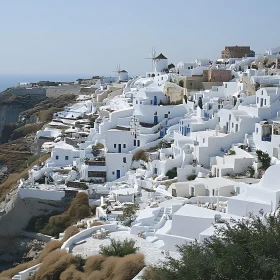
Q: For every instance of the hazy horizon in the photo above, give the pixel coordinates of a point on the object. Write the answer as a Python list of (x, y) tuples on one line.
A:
[(84, 38)]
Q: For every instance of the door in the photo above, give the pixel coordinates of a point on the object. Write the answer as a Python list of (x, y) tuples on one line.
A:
[(120, 148), (155, 170), (155, 100), (261, 102), (155, 119), (118, 174), (227, 127)]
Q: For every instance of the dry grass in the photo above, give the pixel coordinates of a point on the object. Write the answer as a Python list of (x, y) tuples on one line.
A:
[(141, 155), (78, 209), (94, 263), (129, 266), (70, 231), (96, 223), (54, 265), (11, 182), (26, 130)]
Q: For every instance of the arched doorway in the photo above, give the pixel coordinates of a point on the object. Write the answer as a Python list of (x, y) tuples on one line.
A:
[(181, 83)]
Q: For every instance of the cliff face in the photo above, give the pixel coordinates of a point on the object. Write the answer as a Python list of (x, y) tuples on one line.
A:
[(8, 115), (16, 213), (11, 106)]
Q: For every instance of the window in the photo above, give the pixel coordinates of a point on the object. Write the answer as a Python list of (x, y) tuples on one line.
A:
[(225, 85), (265, 102), (56, 157), (203, 140), (151, 101), (136, 101), (138, 143), (124, 160), (66, 157), (232, 124), (115, 145), (257, 130), (124, 146), (134, 142), (257, 100), (213, 192), (229, 117), (189, 68), (113, 172), (262, 92), (165, 115)]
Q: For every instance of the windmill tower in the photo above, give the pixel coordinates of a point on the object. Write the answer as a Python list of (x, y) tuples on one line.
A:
[(122, 74), (153, 58), (118, 70)]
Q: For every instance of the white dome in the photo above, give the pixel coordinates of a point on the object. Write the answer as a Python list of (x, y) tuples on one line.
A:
[(270, 180)]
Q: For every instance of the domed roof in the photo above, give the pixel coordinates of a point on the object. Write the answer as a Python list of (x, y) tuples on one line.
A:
[(269, 180)]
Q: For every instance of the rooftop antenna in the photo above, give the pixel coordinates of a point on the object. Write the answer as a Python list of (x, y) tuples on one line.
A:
[(152, 57)]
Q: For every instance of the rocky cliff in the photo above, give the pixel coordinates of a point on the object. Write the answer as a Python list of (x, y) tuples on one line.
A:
[(11, 106), (16, 212)]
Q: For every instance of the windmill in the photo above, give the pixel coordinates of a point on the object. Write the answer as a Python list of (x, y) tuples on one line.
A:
[(118, 70), (153, 58)]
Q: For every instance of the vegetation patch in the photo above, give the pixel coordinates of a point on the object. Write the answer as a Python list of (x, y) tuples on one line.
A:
[(172, 173), (78, 209), (242, 250), (141, 155), (119, 248)]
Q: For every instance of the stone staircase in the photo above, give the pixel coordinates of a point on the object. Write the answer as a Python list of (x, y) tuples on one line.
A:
[(252, 144)]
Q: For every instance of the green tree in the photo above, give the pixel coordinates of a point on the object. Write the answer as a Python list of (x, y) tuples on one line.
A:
[(129, 214), (119, 248), (264, 158), (244, 249)]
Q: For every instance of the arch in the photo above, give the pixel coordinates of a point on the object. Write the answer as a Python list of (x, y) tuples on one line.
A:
[(181, 83)]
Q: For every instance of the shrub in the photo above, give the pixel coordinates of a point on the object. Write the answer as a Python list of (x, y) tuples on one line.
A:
[(247, 250), (54, 265), (231, 152), (264, 158), (129, 214), (94, 263), (78, 209), (119, 248), (140, 155), (129, 266), (172, 173), (70, 231), (191, 177), (251, 171), (96, 223)]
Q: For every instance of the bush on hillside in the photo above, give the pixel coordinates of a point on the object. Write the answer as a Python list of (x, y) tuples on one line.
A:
[(140, 155), (62, 266), (26, 130), (242, 250), (78, 209), (264, 158), (119, 248), (172, 173), (191, 177)]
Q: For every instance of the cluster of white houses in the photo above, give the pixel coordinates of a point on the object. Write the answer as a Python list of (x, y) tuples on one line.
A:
[(185, 153)]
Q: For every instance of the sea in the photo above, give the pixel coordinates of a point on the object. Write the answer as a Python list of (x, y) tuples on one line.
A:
[(10, 80)]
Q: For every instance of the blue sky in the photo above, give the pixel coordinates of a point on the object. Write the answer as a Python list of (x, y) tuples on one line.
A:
[(92, 36)]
